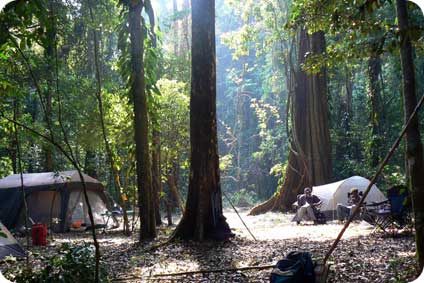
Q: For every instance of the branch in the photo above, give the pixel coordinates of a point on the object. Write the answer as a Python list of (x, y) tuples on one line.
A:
[(219, 270), (53, 142)]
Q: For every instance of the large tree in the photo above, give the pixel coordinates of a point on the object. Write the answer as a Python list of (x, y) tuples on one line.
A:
[(414, 148), (203, 217), (141, 123), (309, 161)]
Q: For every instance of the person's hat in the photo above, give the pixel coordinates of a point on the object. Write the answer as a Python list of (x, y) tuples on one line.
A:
[(353, 190), (307, 189)]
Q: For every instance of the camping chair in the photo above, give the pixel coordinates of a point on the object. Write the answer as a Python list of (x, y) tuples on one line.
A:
[(392, 213), (360, 215)]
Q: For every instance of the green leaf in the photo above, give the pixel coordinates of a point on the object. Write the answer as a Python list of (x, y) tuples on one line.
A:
[(3, 56)]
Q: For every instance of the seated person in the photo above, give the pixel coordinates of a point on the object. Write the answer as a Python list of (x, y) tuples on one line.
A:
[(344, 211), (307, 203)]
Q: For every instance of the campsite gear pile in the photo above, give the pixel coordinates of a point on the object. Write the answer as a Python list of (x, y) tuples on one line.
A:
[(297, 267), (8, 245), (393, 213), (51, 195), (39, 234)]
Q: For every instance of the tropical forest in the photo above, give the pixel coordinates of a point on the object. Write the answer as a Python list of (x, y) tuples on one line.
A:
[(211, 141)]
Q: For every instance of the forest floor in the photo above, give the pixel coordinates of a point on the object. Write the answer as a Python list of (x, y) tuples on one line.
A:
[(360, 256)]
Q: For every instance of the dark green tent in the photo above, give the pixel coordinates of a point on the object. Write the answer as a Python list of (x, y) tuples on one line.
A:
[(53, 198)]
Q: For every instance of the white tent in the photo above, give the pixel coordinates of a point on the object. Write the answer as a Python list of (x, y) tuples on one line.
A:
[(334, 193), (8, 245)]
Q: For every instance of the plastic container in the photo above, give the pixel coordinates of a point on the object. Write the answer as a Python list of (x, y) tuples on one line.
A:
[(39, 234)]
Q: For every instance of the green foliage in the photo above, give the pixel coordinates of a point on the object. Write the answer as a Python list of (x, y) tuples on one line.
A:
[(173, 118), (225, 162), (71, 264), (401, 275), (244, 197)]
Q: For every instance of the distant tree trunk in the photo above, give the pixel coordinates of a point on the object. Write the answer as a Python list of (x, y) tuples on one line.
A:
[(309, 161), (90, 163), (343, 149), (109, 152), (168, 211), (156, 175), (348, 99), (414, 148), (141, 124), (185, 42), (203, 217), (175, 27), (243, 129), (374, 70), (13, 151), (173, 190), (48, 156), (49, 53)]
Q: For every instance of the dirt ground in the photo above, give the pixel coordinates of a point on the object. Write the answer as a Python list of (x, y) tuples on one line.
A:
[(360, 256)]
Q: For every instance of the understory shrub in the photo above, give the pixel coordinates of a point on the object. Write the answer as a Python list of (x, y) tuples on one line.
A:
[(70, 264)]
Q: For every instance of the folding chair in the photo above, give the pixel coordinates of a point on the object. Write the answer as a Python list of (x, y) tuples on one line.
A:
[(393, 213)]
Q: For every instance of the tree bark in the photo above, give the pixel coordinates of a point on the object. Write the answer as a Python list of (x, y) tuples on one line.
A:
[(156, 174), (49, 53), (90, 163), (414, 148), (173, 190), (141, 123), (175, 27), (203, 217), (156, 170), (309, 161)]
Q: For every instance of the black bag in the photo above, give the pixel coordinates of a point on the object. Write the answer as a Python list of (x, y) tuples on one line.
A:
[(297, 267)]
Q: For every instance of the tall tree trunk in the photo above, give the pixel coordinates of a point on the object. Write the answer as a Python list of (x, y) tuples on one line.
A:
[(374, 70), (203, 217), (109, 152), (156, 172), (51, 36), (414, 148), (141, 123), (309, 161)]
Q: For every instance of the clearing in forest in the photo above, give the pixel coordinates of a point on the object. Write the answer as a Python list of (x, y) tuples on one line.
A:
[(360, 256)]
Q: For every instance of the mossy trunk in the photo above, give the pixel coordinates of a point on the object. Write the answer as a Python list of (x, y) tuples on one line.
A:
[(309, 161), (141, 124)]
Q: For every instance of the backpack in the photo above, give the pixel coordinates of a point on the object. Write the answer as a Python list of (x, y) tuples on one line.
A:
[(296, 267)]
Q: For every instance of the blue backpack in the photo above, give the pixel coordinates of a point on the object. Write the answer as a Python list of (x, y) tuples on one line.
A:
[(297, 267)]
